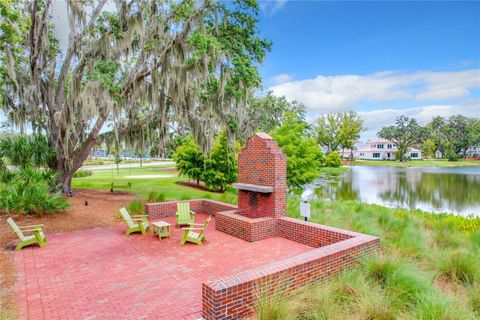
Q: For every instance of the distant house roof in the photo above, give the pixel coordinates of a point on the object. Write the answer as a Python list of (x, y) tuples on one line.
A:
[(379, 140)]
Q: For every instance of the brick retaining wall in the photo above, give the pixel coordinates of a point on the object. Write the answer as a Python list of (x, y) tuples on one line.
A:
[(236, 296), (169, 208)]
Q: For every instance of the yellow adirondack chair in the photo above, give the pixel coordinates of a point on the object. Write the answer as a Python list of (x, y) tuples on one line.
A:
[(184, 215), (189, 234), (135, 223), (37, 234)]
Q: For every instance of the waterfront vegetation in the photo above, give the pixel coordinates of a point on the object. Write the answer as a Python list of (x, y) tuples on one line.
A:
[(429, 268)]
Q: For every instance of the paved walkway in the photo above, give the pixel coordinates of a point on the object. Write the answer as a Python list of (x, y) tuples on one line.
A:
[(127, 165), (102, 274)]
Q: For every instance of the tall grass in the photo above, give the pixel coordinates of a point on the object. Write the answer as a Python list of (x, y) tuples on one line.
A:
[(428, 268)]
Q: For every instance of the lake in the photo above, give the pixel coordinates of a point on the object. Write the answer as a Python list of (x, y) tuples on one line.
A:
[(453, 190)]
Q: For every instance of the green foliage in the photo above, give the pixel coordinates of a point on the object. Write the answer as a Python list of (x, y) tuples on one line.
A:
[(220, 165), (22, 151), (28, 192), (404, 134), (82, 173), (460, 266), (333, 160), (160, 197), (136, 207), (454, 134), (266, 113), (428, 148), (189, 160), (338, 129), (304, 157)]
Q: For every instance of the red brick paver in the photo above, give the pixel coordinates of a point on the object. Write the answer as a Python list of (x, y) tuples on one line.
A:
[(102, 274)]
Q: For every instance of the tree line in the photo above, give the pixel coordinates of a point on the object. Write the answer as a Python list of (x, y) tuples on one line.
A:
[(450, 137)]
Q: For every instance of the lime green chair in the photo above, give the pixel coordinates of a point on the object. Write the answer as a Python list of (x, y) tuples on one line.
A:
[(184, 215), (37, 236), (190, 234), (135, 223)]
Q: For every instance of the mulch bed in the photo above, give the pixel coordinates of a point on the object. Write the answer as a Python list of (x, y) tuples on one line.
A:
[(193, 185), (102, 210)]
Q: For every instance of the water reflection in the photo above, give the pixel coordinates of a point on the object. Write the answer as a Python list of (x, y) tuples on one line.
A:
[(455, 190)]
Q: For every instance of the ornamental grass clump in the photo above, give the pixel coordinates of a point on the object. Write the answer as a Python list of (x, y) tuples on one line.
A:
[(460, 266)]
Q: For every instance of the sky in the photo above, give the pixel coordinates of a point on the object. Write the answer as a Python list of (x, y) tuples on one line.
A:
[(381, 59)]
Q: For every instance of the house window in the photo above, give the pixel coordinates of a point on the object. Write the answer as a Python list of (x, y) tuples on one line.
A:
[(98, 153), (380, 146), (376, 155), (389, 146), (414, 155)]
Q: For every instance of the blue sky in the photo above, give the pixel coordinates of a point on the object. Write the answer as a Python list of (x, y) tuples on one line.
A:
[(378, 58)]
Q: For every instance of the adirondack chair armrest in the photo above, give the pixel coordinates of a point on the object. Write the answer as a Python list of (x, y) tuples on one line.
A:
[(192, 212), (137, 219), (32, 226), (31, 230), (196, 224), (192, 229)]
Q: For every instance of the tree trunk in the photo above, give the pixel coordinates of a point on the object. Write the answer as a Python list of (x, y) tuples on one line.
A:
[(198, 182)]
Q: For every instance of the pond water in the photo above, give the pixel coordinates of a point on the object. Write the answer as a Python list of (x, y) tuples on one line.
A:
[(452, 190)]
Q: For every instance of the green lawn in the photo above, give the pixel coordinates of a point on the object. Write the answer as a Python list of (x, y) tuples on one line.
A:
[(164, 183), (417, 163)]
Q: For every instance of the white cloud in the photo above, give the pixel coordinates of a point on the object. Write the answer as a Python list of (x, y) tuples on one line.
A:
[(281, 78), (338, 93), (279, 4), (272, 7)]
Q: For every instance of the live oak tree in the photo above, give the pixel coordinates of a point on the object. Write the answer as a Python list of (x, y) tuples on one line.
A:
[(455, 134), (141, 64), (405, 133)]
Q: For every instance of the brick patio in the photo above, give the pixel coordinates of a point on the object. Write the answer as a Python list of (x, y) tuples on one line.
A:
[(102, 274)]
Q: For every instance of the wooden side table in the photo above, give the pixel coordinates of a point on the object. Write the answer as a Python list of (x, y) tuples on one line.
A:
[(162, 228)]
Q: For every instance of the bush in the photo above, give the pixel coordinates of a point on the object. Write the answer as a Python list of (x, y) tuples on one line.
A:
[(136, 207), (152, 197), (160, 197), (333, 160), (82, 173), (28, 192)]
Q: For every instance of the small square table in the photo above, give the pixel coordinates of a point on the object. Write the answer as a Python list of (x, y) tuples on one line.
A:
[(162, 228)]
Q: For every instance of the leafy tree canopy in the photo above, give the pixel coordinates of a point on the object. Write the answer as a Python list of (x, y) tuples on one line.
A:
[(142, 64), (338, 129), (405, 133), (304, 157)]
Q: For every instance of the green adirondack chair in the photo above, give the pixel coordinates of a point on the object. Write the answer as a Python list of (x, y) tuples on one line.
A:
[(184, 215), (37, 236), (190, 234), (135, 223)]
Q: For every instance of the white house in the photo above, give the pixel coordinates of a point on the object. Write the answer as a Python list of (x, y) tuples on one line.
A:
[(382, 149)]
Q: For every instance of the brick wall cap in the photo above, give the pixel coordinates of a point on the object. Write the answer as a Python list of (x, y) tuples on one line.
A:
[(263, 135)]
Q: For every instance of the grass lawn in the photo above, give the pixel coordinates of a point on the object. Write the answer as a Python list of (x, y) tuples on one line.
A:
[(417, 163), (161, 179)]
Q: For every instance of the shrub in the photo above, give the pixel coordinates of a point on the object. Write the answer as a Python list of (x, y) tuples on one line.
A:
[(160, 197), (460, 267), (185, 197), (28, 192), (136, 207), (82, 173), (333, 160), (152, 197)]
